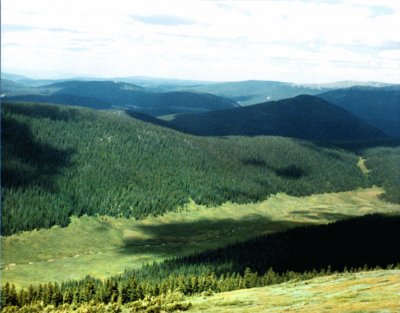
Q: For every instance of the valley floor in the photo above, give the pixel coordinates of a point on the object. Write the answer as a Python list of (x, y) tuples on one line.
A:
[(106, 246), (374, 291)]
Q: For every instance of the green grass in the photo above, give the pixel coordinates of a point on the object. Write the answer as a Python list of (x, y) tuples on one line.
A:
[(105, 246), (375, 291)]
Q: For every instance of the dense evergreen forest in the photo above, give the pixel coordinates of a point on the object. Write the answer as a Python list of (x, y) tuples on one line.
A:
[(300, 253), (60, 161), (384, 163)]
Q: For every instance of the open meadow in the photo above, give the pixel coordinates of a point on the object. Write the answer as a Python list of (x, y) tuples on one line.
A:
[(105, 246)]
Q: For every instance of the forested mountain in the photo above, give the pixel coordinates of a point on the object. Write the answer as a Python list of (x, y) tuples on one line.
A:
[(108, 94), (257, 91), (305, 117), (58, 161), (379, 107)]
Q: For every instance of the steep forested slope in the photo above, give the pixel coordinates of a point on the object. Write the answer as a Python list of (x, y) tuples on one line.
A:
[(305, 117), (58, 161), (379, 107)]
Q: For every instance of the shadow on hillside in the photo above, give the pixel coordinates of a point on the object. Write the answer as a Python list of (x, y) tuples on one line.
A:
[(292, 171), (53, 112), (26, 161), (202, 234), (147, 118), (352, 242)]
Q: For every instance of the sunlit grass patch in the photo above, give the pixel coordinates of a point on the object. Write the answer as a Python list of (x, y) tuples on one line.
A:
[(353, 292)]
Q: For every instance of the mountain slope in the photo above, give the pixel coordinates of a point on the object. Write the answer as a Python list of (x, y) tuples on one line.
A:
[(61, 161), (108, 94), (305, 117), (379, 107)]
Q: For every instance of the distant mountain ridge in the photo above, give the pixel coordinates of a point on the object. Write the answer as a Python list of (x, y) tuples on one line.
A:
[(380, 107), (305, 117), (257, 91), (110, 94)]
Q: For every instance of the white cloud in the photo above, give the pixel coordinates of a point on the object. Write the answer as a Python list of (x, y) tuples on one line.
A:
[(283, 40)]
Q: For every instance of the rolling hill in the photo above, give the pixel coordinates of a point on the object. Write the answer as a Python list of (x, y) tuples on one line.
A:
[(257, 91), (109, 94), (59, 161), (305, 117), (379, 107)]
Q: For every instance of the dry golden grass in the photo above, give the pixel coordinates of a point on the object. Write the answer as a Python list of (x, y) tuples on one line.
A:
[(375, 291)]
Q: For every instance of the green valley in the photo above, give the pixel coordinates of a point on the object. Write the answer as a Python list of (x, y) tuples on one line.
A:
[(105, 246), (60, 161)]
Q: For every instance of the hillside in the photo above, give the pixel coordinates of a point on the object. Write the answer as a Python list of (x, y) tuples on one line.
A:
[(380, 107), (374, 291), (305, 117), (60, 161), (109, 94)]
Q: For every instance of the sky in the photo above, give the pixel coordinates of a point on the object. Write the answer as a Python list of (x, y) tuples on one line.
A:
[(295, 41)]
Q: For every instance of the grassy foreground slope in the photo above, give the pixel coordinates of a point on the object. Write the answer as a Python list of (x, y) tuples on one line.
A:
[(60, 161), (373, 291), (105, 246)]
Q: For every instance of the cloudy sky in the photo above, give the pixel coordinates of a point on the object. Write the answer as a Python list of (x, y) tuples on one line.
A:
[(297, 41)]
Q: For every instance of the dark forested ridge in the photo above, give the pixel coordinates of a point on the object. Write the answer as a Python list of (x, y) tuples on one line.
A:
[(379, 107), (108, 94), (305, 117), (58, 161)]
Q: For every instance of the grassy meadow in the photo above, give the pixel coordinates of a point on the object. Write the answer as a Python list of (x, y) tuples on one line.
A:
[(375, 291), (104, 246)]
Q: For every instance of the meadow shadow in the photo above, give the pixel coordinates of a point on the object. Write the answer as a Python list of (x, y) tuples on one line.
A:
[(201, 234)]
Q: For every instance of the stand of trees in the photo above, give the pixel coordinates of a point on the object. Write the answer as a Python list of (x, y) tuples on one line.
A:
[(384, 165)]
